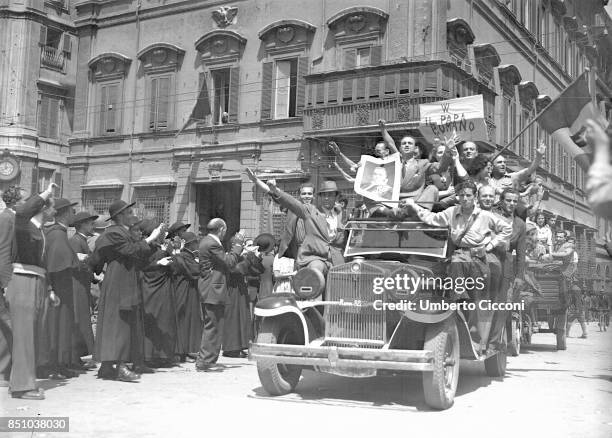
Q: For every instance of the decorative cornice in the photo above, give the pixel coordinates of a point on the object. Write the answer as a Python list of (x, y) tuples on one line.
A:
[(509, 73), (232, 34), (461, 31), (356, 10), (487, 54), (528, 91), (124, 59), (168, 46), (284, 23)]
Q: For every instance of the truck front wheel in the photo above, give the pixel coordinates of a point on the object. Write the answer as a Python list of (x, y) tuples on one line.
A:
[(277, 378), (439, 385)]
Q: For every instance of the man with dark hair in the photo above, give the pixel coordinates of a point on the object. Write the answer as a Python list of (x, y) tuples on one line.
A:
[(293, 234), (27, 294), (8, 252), (119, 336), (215, 264), (83, 339), (486, 197), (502, 179), (62, 262)]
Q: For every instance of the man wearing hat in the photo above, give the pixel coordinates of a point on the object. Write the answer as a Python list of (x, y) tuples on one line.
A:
[(83, 223), (27, 293), (177, 229), (119, 332), (322, 246), (8, 251), (62, 262)]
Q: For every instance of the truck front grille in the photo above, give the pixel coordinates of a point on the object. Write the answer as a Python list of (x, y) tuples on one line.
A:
[(353, 316)]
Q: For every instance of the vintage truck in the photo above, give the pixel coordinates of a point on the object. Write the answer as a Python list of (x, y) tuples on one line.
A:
[(360, 328)]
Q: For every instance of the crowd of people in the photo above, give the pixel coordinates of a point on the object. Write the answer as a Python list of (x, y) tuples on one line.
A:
[(163, 295)]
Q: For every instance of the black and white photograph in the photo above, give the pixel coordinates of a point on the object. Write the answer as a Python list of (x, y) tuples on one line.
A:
[(274, 218), (378, 179)]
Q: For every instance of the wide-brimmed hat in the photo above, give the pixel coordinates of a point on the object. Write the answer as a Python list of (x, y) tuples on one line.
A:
[(328, 186), (61, 203), (176, 227), (189, 237), (147, 226), (265, 242), (132, 221), (82, 216), (101, 223), (117, 207)]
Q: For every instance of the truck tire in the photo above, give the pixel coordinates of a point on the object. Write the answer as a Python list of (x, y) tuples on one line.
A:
[(495, 366), (561, 331), (276, 378), (514, 346), (439, 385)]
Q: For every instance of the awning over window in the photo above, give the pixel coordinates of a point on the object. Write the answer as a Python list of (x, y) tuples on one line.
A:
[(154, 181), (99, 184), (282, 174)]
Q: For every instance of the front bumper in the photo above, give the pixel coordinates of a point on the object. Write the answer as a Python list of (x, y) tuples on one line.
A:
[(343, 357)]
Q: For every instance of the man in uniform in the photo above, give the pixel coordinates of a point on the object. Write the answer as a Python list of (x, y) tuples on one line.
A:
[(215, 264)]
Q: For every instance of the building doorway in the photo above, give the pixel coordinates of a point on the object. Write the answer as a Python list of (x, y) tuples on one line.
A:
[(219, 199)]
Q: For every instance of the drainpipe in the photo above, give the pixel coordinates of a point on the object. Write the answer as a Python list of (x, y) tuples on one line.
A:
[(138, 5)]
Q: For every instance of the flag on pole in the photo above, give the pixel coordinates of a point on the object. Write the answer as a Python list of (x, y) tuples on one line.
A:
[(564, 119), (201, 108)]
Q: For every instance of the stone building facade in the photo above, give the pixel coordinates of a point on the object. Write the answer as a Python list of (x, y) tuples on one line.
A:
[(282, 78)]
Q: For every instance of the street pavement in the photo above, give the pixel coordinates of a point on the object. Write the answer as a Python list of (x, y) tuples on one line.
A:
[(546, 393)]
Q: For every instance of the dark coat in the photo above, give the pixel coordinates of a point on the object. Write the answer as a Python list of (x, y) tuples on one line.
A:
[(186, 271), (30, 239), (215, 264), (289, 242), (317, 245), (82, 295), (120, 292), (62, 261), (8, 246)]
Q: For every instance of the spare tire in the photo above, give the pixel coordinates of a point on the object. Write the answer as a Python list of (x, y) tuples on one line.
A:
[(308, 283)]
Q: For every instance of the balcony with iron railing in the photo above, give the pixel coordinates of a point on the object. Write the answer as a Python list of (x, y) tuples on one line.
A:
[(52, 57), (354, 100)]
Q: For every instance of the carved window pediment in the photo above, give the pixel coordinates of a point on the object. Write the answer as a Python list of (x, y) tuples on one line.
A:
[(542, 101), (109, 65), (459, 33), (220, 45), (161, 57), (286, 34), (509, 76), (528, 92), (358, 21)]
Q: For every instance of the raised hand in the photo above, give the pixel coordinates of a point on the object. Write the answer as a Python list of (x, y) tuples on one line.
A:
[(271, 183), (596, 136), (55, 300), (250, 174), (382, 123), (541, 149), (334, 147)]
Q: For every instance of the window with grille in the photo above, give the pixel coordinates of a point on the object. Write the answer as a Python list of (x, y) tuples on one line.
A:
[(160, 113), (98, 201), (153, 203), (49, 116)]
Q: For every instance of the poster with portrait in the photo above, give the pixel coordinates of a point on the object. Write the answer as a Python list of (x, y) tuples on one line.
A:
[(378, 179)]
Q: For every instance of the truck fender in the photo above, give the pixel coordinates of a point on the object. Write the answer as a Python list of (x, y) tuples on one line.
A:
[(281, 304)]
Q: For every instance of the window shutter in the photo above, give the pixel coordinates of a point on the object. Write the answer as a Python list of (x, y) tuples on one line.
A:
[(34, 185), (404, 82), (332, 91), (266, 90), (320, 92), (58, 181), (153, 109), (234, 93), (302, 71), (361, 85), (111, 108), (43, 36), (376, 55), (390, 84), (54, 109), (347, 90), (431, 81), (350, 58), (103, 110), (43, 116), (374, 85), (67, 43), (163, 103)]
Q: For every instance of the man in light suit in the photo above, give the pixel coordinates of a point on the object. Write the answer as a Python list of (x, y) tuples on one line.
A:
[(215, 264), (8, 253)]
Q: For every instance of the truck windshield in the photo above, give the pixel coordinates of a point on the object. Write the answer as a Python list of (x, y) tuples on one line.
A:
[(377, 237)]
